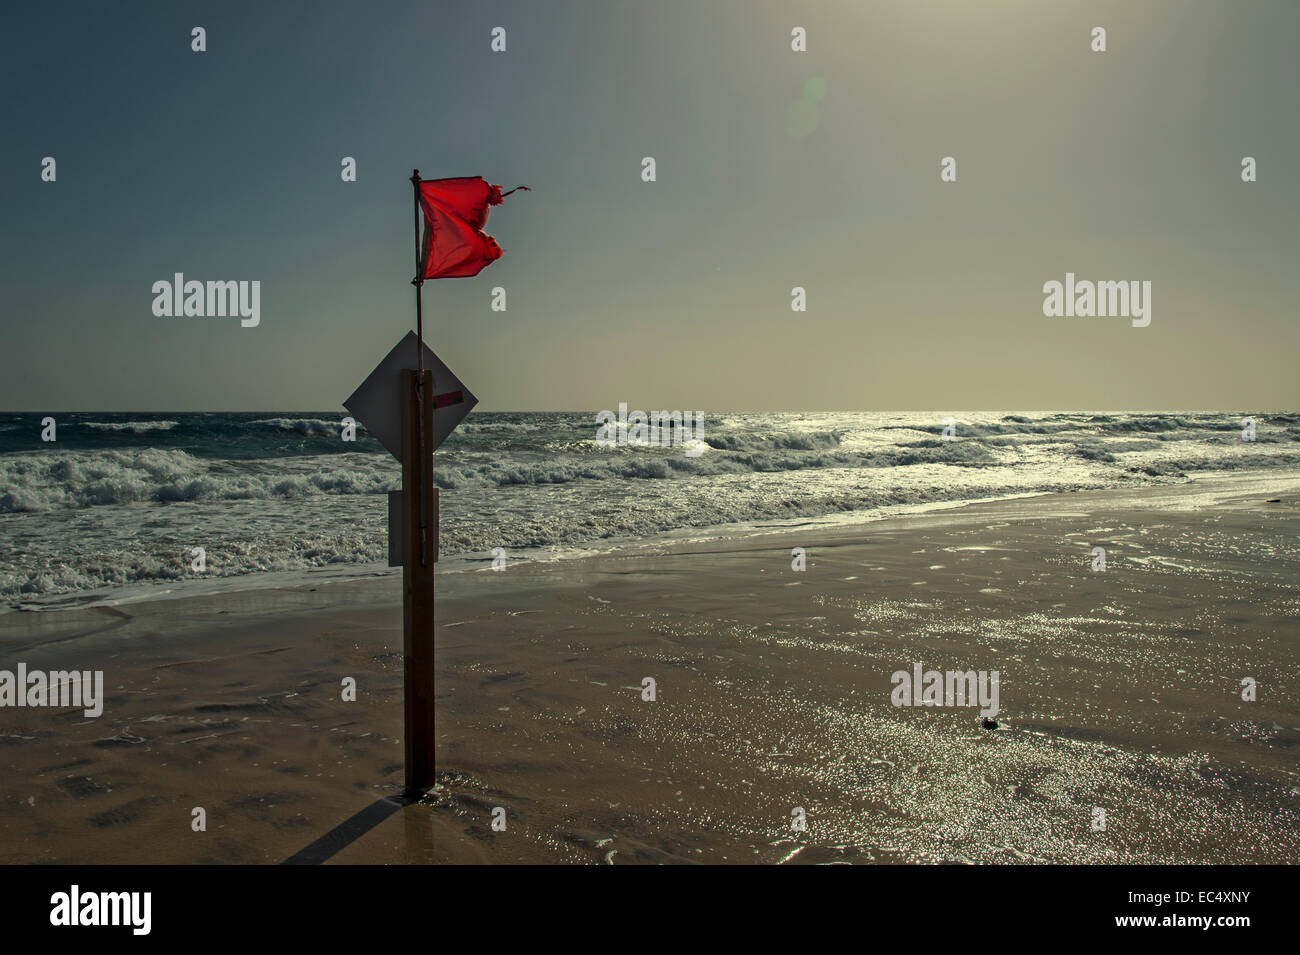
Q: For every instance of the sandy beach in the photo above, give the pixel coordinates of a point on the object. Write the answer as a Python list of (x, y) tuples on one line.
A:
[(1120, 691)]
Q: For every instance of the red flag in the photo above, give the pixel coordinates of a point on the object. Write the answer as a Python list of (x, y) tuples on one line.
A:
[(455, 211)]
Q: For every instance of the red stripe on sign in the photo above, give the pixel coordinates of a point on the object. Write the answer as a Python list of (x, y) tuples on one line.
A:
[(450, 398)]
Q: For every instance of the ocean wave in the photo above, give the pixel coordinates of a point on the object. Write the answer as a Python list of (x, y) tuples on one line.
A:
[(79, 479), (666, 464), (498, 427), (135, 427), (36, 481), (1185, 427), (774, 440), (1178, 466), (310, 427), (288, 552)]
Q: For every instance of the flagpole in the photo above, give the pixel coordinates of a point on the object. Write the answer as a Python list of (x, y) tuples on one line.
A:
[(418, 281), (425, 471), (419, 500)]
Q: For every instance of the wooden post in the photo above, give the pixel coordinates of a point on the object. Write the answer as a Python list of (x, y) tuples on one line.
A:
[(419, 552)]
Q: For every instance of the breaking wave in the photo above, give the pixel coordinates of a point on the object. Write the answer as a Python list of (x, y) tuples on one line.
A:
[(135, 427), (306, 426), (37, 483)]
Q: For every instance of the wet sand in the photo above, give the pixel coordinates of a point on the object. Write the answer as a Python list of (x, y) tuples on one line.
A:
[(1120, 690)]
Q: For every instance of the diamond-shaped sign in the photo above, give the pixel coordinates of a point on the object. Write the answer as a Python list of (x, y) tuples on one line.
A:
[(377, 404)]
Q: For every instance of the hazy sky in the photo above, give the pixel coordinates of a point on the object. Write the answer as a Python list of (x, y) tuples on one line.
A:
[(673, 294)]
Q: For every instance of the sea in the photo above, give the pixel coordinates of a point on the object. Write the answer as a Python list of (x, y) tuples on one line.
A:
[(115, 507)]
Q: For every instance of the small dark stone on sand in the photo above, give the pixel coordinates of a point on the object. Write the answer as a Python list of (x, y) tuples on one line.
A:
[(989, 724)]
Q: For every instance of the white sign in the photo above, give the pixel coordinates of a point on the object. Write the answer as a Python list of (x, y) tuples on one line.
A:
[(377, 404)]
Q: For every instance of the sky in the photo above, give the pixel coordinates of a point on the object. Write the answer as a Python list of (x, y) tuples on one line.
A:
[(774, 169)]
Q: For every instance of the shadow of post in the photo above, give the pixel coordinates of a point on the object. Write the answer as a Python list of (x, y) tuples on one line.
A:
[(350, 830)]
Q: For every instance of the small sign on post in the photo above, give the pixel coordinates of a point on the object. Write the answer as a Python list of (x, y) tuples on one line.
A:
[(395, 512)]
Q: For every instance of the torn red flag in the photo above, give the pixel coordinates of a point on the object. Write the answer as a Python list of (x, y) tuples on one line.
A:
[(455, 211)]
